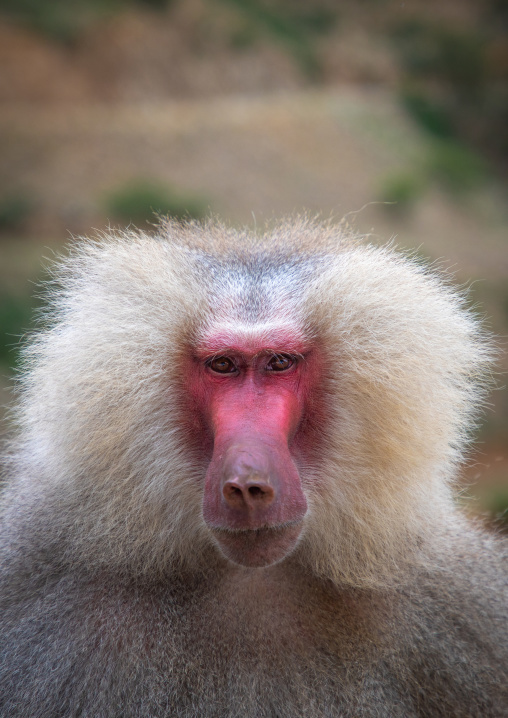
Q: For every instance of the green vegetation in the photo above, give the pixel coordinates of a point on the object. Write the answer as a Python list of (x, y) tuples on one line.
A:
[(59, 19), (20, 272), (429, 114), (16, 316), (400, 191), (455, 79), (15, 208), (496, 502), (454, 56), (455, 167), (140, 200), (294, 25), (452, 166), (62, 20)]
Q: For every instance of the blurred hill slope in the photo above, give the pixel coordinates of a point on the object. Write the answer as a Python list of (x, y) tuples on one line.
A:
[(326, 151), (447, 62), (122, 51)]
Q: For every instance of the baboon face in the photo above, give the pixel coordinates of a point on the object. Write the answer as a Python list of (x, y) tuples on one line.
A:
[(251, 391)]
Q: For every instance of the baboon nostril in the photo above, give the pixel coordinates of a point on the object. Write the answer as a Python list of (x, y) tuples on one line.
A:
[(241, 494), (255, 491)]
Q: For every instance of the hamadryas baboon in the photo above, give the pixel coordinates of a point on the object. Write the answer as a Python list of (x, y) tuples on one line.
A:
[(231, 493)]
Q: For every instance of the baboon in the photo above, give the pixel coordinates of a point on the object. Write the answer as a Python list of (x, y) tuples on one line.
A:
[(231, 491)]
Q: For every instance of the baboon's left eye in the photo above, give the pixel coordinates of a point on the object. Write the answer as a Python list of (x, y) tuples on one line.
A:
[(280, 362)]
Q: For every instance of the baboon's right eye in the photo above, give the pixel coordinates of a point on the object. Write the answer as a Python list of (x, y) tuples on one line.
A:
[(222, 365)]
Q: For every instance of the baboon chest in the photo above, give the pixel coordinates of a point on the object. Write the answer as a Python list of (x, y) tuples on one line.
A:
[(252, 651), (229, 648)]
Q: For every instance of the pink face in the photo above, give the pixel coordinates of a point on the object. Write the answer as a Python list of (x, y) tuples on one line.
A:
[(251, 392)]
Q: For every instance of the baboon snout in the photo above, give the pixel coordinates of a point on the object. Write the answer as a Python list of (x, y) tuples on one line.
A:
[(252, 483), (249, 482)]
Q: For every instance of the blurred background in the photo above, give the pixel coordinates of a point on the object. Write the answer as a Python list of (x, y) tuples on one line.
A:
[(392, 113)]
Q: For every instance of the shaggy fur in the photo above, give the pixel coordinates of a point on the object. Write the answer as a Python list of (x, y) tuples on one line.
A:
[(116, 602)]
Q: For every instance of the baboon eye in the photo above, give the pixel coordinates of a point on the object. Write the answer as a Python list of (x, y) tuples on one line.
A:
[(280, 362), (221, 365)]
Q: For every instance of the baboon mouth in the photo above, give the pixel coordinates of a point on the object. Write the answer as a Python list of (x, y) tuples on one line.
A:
[(258, 547)]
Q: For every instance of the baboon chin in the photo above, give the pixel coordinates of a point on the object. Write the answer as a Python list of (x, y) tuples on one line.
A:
[(230, 493)]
